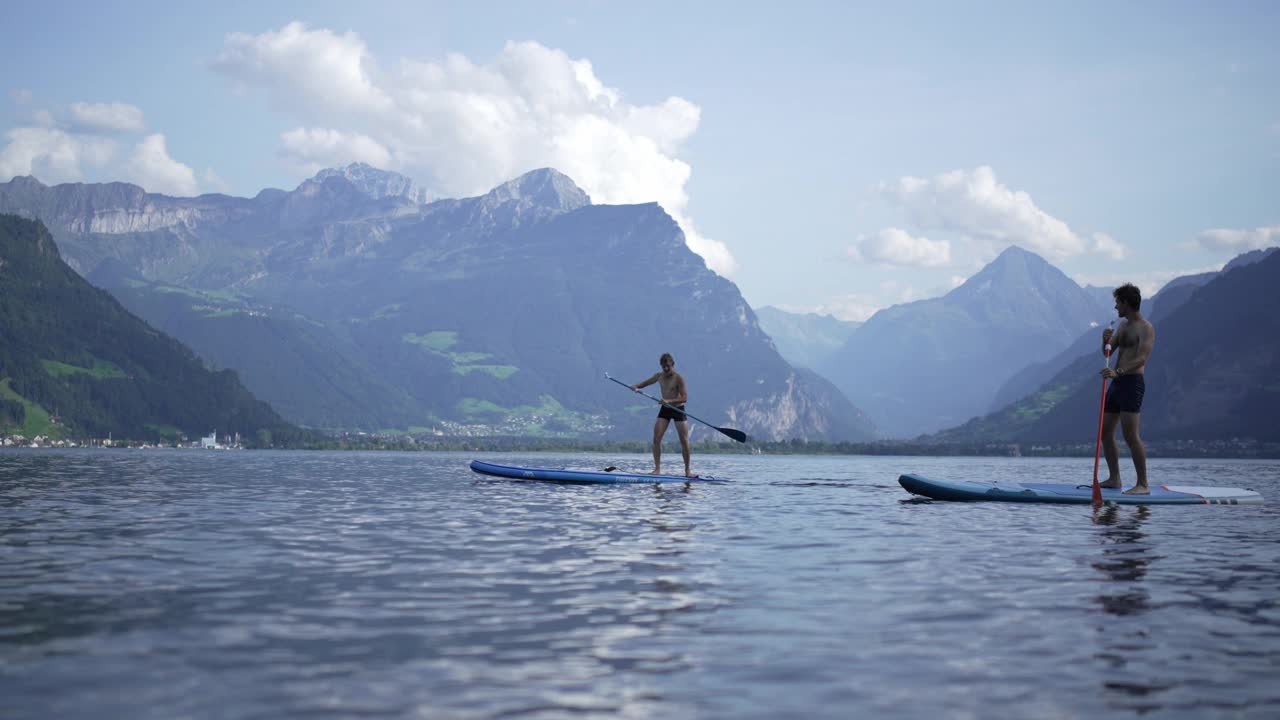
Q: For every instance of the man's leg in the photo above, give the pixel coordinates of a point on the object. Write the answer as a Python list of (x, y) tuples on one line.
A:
[(1129, 426), (659, 429), (683, 429), (1109, 450)]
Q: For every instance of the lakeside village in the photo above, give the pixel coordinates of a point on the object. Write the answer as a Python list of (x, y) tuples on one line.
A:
[(208, 442), (473, 438)]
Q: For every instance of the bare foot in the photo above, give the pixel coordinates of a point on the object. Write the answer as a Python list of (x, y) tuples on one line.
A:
[(1138, 490), (1112, 484), (656, 471)]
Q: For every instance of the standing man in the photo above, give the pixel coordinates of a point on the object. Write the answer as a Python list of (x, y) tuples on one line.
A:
[(1133, 342), (674, 396)]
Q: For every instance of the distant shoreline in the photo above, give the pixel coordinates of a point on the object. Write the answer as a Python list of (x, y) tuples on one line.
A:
[(1239, 449)]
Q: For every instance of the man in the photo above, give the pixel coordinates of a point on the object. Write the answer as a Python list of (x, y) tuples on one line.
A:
[(1133, 342), (674, 397)]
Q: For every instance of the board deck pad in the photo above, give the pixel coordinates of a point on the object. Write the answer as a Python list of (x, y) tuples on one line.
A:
[(1032, 492), (568, 475)]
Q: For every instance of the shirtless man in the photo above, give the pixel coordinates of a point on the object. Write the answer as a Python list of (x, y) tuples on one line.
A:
[(674, 396), (1133, 342)]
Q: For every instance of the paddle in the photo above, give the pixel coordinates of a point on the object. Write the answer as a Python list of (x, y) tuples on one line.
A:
[(735, 434), (1102, 409)]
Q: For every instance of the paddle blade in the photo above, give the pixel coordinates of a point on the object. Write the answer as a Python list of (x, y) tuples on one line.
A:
[(735, 434)]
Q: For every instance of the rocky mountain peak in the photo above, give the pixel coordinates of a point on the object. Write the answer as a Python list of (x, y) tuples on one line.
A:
[(545, 188), (1016, 271), (25, 181), (1249, 258), (374, 182)]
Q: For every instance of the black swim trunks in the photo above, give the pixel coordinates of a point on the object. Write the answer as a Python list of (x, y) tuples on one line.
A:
[(672, 413), (1125, 394)]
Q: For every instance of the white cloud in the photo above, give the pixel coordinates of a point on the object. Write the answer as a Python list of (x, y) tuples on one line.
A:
[(59, 152), (215, 182), (106, 117), (893, 246), (668, 124), (1238, 241), (151, 167), (318, 68), (1104, 244), (978, 206), (854, 307), (461, 128), (51, 155), (312, 149)]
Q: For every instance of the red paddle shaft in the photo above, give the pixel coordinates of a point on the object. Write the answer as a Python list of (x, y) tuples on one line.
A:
[(1102, 409)]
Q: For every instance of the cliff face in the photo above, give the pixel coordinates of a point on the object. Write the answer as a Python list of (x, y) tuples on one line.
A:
[(807, 407)]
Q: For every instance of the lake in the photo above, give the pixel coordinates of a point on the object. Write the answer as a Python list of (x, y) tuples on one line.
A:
[(206, 584)]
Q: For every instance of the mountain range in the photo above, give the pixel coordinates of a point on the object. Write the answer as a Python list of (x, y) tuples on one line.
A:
[(355, 301), (350, 303), (1214, 373), (924, 366), (1170, 297)]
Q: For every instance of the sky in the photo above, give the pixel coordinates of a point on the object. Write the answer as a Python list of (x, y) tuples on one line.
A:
[(833, 157)]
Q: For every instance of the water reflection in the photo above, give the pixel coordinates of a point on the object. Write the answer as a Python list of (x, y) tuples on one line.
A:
[(1125, 563), (1126, 558)]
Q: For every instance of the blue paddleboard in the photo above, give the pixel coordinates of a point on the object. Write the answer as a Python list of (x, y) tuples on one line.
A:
[(1030, 492), (516, 472)]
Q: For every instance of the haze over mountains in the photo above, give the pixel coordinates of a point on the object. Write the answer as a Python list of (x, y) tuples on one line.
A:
[(931, 364), (805, 339), (348, 303)]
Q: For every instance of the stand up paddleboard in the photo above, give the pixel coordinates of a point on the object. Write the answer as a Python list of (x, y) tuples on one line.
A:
[(994, 491), (516, 472)]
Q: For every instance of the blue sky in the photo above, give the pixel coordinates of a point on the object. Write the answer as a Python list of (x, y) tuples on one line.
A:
[(837, 157)]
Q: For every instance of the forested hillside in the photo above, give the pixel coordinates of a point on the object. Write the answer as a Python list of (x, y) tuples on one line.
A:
[(74, 362)]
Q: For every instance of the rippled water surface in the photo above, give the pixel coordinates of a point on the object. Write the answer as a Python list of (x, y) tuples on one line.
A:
[(165, 584)]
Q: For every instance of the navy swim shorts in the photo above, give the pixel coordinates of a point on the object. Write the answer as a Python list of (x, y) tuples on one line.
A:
[(672, 413), (1125, 394)]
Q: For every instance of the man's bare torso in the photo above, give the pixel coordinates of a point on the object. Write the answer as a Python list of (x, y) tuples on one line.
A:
[(1128, 337), (672, 385)]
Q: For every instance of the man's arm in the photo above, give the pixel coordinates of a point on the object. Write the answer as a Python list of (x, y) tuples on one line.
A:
[(647, 383)]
